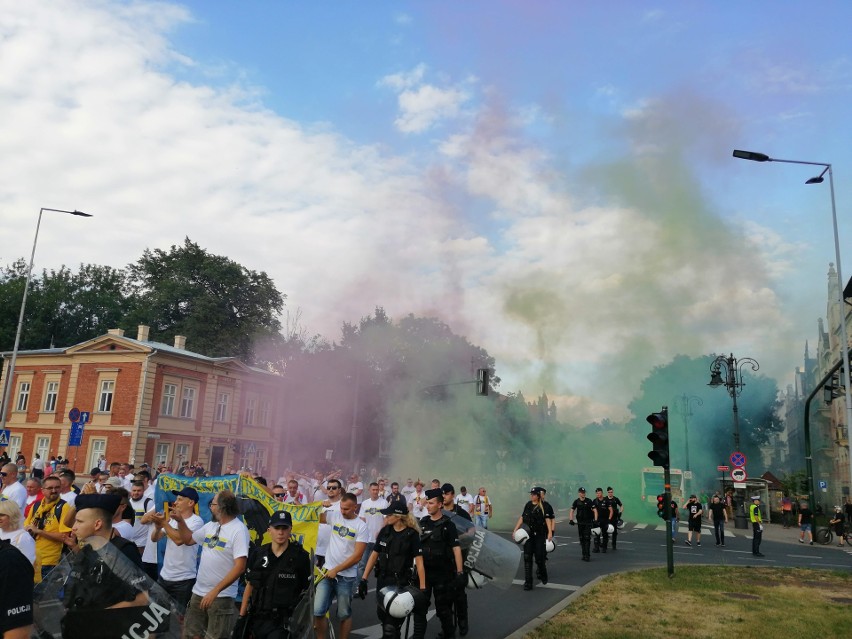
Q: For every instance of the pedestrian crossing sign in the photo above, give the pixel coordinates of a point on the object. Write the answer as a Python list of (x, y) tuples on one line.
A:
[(5, 436)]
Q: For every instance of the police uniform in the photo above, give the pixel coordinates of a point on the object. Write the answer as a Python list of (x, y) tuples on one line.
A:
[(602, 505), (438, 540), (584, 511), (396, 551), (460, 594), (617, 507), (277, 584), (16, 588), (756, 519)]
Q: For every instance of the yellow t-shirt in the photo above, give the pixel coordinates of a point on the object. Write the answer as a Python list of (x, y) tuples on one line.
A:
[(48, 552)]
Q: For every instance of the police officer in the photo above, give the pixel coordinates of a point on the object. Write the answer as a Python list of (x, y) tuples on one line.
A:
[(756, 518), (604, 510), (460, 594), (280, 573), (396, 553), (617, 512), (442, 560), (535, 517), (586, 514)]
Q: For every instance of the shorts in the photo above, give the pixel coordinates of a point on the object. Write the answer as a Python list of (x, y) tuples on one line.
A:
[(343, 587), (806, 528), (214, 623), (695, 525)]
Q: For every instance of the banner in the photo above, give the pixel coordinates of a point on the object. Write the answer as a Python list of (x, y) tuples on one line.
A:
[(256, 505)]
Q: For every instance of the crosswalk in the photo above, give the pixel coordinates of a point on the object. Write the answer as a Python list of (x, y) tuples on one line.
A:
[(683, 529)]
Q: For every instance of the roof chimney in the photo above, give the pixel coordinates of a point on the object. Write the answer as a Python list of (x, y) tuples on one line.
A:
[(180, 342), (142, 335), (116, 331)]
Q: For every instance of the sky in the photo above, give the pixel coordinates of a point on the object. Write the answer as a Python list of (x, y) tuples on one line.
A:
[(553, 180)]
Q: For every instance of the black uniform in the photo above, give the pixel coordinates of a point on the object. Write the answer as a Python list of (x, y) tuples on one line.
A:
[(602, 504), (617, 506), (585, 514), (277, 584), (16, 588), (535, 516), (460, 595), (438, 540), (396, 551)]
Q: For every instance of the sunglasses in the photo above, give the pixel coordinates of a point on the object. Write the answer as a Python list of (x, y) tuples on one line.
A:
[(2, 474), (278, 495)]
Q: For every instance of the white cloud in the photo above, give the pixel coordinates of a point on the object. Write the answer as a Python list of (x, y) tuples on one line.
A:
[(423, 105)]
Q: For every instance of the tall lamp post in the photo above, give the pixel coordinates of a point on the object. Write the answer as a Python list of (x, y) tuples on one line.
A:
[(683, 405), (733, 382), (10, 371), (844, 345)]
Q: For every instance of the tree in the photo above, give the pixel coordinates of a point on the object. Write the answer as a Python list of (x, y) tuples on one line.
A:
[(221, 307)]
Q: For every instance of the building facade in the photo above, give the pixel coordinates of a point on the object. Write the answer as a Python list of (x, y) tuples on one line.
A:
[(147, 401)]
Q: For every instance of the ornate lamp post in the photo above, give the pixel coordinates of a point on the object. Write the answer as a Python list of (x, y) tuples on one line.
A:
[(733, 382)]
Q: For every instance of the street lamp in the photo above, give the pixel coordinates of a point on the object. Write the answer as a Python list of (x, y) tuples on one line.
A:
[(733, 382), (10, 371), (844, 347)]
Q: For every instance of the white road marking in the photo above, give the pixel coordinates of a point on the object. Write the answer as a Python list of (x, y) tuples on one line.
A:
[(520, 582)]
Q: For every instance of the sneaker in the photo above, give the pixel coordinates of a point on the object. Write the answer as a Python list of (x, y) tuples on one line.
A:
[(718, 544), (698, 544), (812, 543), (723, 544), (688, 543), (801, 541)]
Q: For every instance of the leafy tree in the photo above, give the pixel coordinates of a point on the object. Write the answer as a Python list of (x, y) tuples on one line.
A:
[(221, 307)]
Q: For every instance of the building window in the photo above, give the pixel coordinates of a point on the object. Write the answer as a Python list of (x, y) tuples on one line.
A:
[(107, 390), (97, 448), (169, 394), (14, 446), (161, 456), (23, 396), (51, 392), (263, 414), (187, 403), (251, 403), (43, 446), (182, 454), (222, 407)]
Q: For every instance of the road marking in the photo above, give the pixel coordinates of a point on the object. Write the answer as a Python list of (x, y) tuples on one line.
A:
[(552, 586), (804, 557), (640, 526)]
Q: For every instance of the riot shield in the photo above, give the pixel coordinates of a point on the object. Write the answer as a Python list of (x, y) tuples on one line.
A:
[(492, 558), (98, 593)]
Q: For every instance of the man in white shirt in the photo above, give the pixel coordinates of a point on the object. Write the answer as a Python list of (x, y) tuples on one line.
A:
[(140, 506), (356, 487), (178, 574), (417, 503), (294, 495), (66, 481), (465, 500), (408, 490), (335, 492), (349, 538), (12, 488), (224, 552), (371, 514), (482, 508)]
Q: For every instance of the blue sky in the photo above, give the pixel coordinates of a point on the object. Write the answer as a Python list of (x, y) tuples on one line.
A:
[(553, 179)]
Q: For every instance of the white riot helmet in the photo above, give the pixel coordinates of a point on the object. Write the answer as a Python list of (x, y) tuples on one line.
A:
[(397, 603), (610, 529), (596, 531), (619, 524), (475, 580), (549, 546), (521, 534)]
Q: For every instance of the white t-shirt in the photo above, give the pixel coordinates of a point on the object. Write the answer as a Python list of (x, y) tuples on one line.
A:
[(351, 488), (464, 501), (407, 491), (418, 505), (38, 464), (345, 533), (17, 493), (69, 498), (324, 532), (481, 504), (179, 561), (374, 519), (220, 545), (23, 541), (124, 529), (141, 532)]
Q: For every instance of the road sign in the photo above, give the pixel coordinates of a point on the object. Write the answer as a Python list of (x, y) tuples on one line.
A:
[(739, 474), (738, 459), (5, 437), (251, 449), (84, 417), (723, 468), (74, 414), (76, 436), (823, 483)]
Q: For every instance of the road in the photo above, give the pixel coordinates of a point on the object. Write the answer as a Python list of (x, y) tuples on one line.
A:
[(499, 613)]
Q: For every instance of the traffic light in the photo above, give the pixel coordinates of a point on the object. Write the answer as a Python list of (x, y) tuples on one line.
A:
[(482, 381), (659, 437), (661, 506)]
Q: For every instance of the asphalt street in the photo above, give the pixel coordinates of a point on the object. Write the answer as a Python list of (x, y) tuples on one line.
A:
[(496, 613)]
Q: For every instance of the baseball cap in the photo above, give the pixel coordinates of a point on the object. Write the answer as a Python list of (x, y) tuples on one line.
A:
[(115, 482), (187, 491), (281, 518), (581, 490), (395, 509), (753, 497), (448, 488), (535, 490)]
